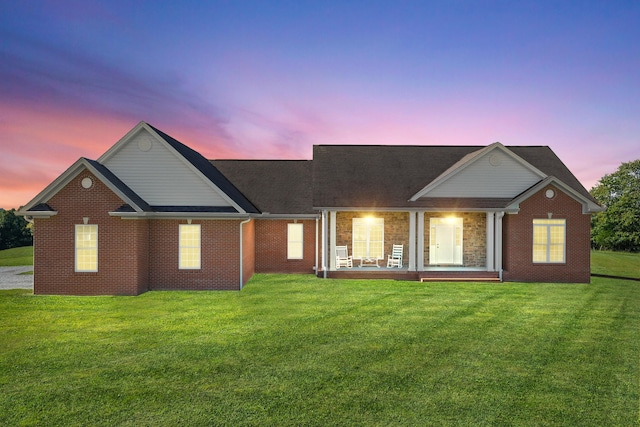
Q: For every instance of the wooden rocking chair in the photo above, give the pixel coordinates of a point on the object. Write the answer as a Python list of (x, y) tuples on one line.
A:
[(343, 259), (395, 259)]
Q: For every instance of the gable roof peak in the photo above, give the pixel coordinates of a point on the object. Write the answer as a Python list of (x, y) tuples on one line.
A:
[(205, 173), (470, 159), (101, 172)]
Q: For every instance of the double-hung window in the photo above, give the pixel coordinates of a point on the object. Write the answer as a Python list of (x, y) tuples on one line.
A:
[(368, 238), (86, 248), (549, 240), (295, 241), (189, 251)]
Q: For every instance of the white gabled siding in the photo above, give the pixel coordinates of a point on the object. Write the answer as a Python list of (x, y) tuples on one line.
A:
[(159, 176), (484, 179)]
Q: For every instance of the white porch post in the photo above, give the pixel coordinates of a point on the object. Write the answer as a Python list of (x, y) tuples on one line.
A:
[(412, 241), (332, 239), (324, 244), (498, 243), (490, 241), (420, 254)]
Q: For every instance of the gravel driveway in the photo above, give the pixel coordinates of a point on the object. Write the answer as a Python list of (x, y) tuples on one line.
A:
[(10, 278)]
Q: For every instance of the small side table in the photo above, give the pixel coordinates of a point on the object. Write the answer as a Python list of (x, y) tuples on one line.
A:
[(369, 262)]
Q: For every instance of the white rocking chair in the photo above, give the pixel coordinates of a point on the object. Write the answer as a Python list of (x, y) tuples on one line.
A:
[(343, 259), (395, 259)]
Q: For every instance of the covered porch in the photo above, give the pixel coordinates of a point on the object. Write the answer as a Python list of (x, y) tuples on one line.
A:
[(438, 246)]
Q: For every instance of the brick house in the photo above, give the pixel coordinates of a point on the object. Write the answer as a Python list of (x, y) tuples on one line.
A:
[(153, 214)]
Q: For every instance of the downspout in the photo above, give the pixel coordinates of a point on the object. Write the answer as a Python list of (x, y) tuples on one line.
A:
[(241, 252), (498, 243), (316, 262)]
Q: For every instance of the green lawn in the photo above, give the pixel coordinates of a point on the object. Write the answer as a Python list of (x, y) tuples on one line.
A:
[(301, 351), (16, 256), (616, 263)]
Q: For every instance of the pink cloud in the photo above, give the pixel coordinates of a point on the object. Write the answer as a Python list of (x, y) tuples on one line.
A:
[(37, 145)]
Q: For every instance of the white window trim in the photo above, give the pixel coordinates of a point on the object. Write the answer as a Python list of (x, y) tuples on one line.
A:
[(549, 244), (77, 250), (180, 247), (291, 242)]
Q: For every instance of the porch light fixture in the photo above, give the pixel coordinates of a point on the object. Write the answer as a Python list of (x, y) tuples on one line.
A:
[(450, 220)]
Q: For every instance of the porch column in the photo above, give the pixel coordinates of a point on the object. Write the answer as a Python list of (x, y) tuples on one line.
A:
[(420, 254), (490, 241), (332, 240), (412, 241), (324, 244), (498, 243)]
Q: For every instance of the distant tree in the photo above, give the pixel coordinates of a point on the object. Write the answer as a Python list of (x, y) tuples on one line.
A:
[(14, 230), (618, 228)]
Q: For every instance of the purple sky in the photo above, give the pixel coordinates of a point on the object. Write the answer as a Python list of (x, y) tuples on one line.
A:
[(268, 79)]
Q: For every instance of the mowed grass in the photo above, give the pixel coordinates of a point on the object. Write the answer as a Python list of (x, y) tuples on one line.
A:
[(301, 351), (622, 264), (16, 257)]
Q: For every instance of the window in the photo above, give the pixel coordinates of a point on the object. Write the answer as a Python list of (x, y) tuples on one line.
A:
[(549, 240), (294, 241), (189, 256), (368, 237), (87, 248)]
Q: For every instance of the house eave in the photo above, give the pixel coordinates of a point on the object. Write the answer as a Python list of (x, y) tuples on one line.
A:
[(179, 215), (37, 214), (267, 215), (417, 209), (588, 207)]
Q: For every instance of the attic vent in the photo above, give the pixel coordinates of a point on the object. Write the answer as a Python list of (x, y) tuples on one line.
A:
[(87, 182), (144, 144), (495, 159)]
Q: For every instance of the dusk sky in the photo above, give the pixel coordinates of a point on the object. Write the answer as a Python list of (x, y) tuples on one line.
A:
[(269, 79)]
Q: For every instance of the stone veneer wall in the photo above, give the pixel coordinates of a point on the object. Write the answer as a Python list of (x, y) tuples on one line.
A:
[(396, 230), (474, 236)]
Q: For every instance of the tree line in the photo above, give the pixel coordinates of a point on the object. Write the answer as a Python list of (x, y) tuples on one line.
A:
[(618, 227), (15, 231)]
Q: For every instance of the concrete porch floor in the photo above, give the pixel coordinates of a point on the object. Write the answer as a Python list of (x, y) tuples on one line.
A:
[(437, 274)]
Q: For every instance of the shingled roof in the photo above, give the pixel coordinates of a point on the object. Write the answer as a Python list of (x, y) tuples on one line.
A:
[(117, 183), (274, 186), (209, 171), (357, 176)]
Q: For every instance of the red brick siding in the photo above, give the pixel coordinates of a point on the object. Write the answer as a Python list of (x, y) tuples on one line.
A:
[(220, 256), (248, 250), (474, 236), (518, 240), (396, 230), (122, 245), (271, 247)]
